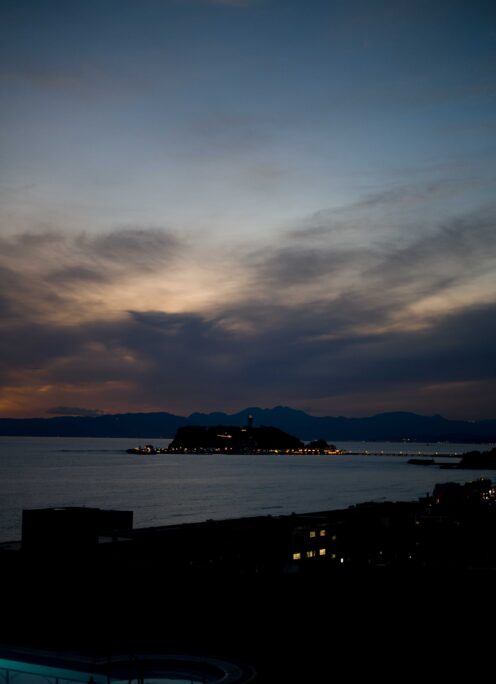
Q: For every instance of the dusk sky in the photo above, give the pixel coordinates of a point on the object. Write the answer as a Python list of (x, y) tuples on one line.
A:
[(213, 204)]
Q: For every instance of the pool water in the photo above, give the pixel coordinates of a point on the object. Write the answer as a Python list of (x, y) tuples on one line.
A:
[(174, 672)]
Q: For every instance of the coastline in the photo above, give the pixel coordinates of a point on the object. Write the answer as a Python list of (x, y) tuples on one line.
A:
[(64, 471)]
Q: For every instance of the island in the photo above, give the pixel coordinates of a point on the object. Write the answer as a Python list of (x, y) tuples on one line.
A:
[(232, 439), (485, 460)]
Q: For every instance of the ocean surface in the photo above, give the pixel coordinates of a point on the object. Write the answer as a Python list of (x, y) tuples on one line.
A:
[(167, 489)]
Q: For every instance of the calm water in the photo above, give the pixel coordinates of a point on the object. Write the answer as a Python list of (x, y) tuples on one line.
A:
[(164, 489)]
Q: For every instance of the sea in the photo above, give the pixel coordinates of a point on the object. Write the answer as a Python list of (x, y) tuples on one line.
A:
[(165, 489)]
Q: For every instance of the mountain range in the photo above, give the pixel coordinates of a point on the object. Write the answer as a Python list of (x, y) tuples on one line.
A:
[(395, 426)]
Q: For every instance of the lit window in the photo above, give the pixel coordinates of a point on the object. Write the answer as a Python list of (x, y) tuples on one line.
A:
[(333, 537), (310, 554), (323, 533), (313, 534), (322, 552), (296, 556)]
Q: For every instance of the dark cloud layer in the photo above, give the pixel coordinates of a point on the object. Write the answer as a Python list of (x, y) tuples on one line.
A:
[(73, 411), (181, 361), (321, 327)]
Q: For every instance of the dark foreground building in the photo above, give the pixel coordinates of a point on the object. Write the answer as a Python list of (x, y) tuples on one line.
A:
[(299, 597)]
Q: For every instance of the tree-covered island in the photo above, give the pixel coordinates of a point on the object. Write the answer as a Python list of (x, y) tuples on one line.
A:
[(232, 439)]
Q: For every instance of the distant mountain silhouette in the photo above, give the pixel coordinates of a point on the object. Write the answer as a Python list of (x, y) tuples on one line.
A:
[(382, 427)]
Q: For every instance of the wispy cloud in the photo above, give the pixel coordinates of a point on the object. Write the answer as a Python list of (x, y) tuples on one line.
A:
[(379, 275), (48, 273)]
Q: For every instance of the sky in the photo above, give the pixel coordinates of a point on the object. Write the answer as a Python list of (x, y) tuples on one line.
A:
[(213, 204)]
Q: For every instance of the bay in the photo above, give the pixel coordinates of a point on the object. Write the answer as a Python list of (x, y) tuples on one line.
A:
[(37, 472)]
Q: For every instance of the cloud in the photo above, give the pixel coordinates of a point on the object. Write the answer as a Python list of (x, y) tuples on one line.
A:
[(74, 411), (62, 275), (412, 194), (399, 205), (130, 248), (308, 352), (169, 323), (420, 273), (135, 248), (77, 274), (353, 324), (178, 362)]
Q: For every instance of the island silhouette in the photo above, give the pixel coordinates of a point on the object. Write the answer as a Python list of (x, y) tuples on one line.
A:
[(234, 439)]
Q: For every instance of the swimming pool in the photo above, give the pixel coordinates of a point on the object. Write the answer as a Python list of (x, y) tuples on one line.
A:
[(37, 667)]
